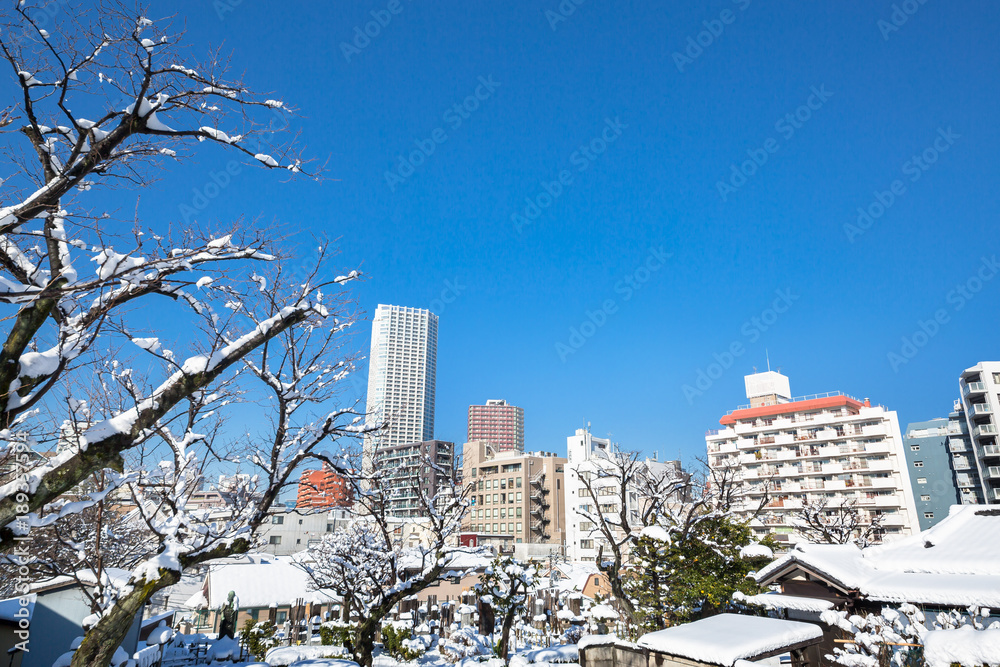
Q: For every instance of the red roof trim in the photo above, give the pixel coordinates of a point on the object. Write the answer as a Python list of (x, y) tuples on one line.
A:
[(787, 408)]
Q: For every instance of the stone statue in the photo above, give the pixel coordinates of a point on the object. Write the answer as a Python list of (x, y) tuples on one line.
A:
[(227, 626)]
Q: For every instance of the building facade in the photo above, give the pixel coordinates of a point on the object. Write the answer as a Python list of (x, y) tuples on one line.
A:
[(498, 423), (935, 454), (402, 371), (517, 497), (321, 489), (979, 388), (288, 531), (586, 454), (823, 448), (408, 475)]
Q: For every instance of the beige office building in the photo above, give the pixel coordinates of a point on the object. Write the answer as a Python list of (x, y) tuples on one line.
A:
[(517, 497)]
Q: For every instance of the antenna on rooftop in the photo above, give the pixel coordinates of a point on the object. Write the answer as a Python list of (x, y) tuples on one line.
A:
[(767, 354)]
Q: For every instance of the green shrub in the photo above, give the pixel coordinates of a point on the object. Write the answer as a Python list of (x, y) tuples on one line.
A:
[(394, 643), (258, 637)]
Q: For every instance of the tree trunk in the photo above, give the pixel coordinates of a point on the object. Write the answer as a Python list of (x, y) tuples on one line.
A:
[(508, 621), (101, 641)]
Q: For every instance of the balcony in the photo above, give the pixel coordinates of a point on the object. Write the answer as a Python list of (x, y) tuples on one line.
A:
[(991, 450), (956, 445), (980, 409), (986, 429), (993, 472), (996, 494), (974, 388)]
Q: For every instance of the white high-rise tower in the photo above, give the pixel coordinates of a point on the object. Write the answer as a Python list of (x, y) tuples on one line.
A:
[(402, 370)]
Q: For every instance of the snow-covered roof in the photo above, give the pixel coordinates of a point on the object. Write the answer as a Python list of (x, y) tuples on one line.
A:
[(964, 646), (746, 637), (113, 575), (954, 563), (778, 601), (967, 541), (262, 582)]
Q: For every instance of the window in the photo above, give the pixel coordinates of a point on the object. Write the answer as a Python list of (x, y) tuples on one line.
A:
[(329, 527), (558, 484), (495, 497), (503, 497), (597, 581), (298, 541), (518, 496), (921, 480), (510, 482), (928, 515), (496, 513), (300, 522), (586, 544), (503, 514), (519, 482), (519, 528), (914, 448), (274, 539), (517, 512), (282, 617), (925, 498), (277, 520), (495, 528), (489, 484), (918, 464)]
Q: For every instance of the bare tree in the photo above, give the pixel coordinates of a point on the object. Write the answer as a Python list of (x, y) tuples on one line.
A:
[(81, 373), (844, 523), (371, 568), (627, 494)]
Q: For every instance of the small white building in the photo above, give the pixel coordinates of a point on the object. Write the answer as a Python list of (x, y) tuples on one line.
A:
[(586, 455), (289, 531)]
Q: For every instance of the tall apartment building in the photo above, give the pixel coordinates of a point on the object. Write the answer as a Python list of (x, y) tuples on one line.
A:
[(408, 475), (979, 388), (932, 451), (822, 448), (585, 455), (402, 369), (517, 497), (499, 423), (323, 488)]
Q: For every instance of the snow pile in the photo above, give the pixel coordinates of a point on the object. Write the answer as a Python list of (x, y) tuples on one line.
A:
[(965, 646), (283, 656), (603, 612), (756, 551), (464, 643), (746, 637)]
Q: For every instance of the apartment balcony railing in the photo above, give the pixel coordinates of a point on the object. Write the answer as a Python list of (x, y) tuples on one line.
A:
[(991, 450), (956, 445), (974, 388), (986, 429), (996, 494), (993, 472), (981, 409)]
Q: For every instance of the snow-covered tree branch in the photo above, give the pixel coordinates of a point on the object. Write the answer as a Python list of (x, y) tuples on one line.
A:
[(128, 354)]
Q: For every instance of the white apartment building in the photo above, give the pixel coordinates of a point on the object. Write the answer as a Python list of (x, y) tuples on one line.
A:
[(288, 531), (980, 392), (826, 447), (402, 369), (585, 455)]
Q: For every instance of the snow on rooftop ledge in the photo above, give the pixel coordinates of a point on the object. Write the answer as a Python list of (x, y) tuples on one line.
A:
[(747, 637)]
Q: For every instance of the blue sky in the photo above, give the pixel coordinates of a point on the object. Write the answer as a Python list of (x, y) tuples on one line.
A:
[(642, 145)]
